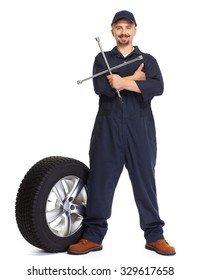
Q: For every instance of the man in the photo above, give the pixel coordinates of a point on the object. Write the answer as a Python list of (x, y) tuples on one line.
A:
[(124, 134)]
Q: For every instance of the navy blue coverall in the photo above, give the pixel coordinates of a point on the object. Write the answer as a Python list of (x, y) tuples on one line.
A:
[(124, 134)]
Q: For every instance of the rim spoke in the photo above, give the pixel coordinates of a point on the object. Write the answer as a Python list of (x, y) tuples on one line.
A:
[(59, 190), (79, 209), (76, 189), (66, 219), (52, 215)]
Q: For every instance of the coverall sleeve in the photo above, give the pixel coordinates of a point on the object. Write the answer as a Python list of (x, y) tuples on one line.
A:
[(101, 85), (153, 85)]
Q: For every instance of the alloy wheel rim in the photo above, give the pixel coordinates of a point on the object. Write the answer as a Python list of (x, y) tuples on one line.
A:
[(65, 206)]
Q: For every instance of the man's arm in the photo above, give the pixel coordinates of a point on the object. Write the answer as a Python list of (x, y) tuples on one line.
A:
[(128, 83)]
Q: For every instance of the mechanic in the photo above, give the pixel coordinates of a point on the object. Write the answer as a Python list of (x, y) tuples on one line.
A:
[(124, 134)]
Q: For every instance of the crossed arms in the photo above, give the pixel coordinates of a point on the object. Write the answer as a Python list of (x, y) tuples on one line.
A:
[(128, 83)]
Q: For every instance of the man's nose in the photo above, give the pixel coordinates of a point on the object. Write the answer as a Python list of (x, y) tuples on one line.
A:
[(123, 31)]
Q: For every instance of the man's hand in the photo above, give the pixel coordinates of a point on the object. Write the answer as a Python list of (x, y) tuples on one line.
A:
[(139, 74), (116, 81)]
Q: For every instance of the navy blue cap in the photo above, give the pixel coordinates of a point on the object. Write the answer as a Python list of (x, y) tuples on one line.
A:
[(124, 14)]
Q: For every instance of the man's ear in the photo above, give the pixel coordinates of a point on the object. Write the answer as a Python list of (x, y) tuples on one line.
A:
[(112, 32)]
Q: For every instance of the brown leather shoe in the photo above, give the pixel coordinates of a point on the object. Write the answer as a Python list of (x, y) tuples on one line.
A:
[(83, 247), (161, 247)]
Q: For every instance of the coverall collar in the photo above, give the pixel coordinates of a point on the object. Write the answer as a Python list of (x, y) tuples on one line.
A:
[(135, 51)]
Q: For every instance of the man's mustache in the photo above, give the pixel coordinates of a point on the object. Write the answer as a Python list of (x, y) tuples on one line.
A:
[(124, 35)]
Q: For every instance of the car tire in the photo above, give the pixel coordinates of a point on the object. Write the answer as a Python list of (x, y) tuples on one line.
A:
[(51, 202)]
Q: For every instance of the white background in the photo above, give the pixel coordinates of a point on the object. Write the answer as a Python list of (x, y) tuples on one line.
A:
[(45, 47)]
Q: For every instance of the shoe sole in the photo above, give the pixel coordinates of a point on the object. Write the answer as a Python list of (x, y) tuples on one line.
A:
[(151, 248), (85, 252)]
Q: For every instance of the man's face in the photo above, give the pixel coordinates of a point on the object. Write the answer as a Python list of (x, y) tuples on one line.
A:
[(123, 31)]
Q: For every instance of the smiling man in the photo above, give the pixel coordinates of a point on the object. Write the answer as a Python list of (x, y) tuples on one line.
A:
[(124, 135)]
